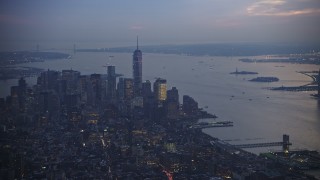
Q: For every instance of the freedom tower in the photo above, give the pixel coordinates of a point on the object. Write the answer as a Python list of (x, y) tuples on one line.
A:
[(137, 70)]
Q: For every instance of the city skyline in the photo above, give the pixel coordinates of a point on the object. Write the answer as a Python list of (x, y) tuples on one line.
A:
[(80, 101), (110, 125), (114, 23)]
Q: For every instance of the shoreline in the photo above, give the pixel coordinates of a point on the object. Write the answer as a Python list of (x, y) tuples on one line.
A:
[(312, 86)]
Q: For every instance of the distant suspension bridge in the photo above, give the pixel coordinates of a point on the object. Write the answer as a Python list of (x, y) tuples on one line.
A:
[(285, 144)]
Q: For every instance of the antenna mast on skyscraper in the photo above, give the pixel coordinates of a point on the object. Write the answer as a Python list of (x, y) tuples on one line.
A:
[(137, 42)]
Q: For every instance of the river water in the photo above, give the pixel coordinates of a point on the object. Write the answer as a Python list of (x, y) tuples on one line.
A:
[(259, 114)]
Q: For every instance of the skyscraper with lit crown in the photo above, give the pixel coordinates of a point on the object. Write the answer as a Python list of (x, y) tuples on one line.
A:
[(137, 70), (160, 89)]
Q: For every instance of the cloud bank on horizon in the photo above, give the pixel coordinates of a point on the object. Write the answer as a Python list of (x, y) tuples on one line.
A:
[(282, 8), (160, 22)]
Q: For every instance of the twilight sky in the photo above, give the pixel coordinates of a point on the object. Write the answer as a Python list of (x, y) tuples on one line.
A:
[(117, 22)]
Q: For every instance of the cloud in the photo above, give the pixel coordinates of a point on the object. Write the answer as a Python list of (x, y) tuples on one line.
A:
[(297, 12), (281, 8)]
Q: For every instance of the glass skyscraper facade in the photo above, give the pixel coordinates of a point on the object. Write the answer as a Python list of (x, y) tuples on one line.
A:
[(137, 71)]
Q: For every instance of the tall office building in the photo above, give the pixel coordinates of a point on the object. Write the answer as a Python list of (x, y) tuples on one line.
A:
[(137, 71), (148, 99), (72, 81), (22, 86), (128, 89), (14, 98), (48, 80), (96, 88), (22, 90), (49, 104), (173, 95), (120, 89), (84, 88), (189, 106), (172, 103), (160, 89), (111, 85), (146, 88)]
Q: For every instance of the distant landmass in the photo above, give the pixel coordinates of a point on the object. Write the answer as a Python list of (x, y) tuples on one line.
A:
[(295, 59), (243, 72), (18, 57), (236, 49)]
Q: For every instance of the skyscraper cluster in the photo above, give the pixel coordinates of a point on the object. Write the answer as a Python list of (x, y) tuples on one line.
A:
[(69, 93)]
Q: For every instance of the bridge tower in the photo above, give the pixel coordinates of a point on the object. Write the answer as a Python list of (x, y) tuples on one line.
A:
[(74, 49), (286, 143)]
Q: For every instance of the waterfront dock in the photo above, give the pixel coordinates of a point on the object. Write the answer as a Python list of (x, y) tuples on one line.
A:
[(203, 125)]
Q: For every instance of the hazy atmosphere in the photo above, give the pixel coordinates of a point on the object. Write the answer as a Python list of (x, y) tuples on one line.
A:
[(159, 22), (160, 89)]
